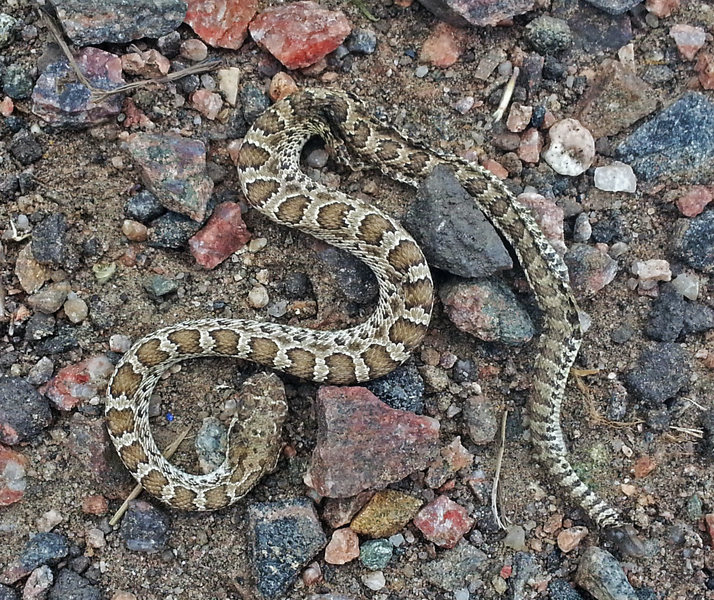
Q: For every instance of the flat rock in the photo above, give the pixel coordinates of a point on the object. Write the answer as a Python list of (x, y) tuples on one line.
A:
[(285, 536), (173, 168), (145, 528), (224, 234), (221, 23), (694, 241), (601, 575), (487, 309), (594, 30), (61, 99), (451, 231), (118, 21), (299, 34), (616, 99), (24, 413), (172, 231), (386, 514), (12, 476), (456, 569), (477, 12), (662, 371), (352, 424), (678, 142), (49, 243)]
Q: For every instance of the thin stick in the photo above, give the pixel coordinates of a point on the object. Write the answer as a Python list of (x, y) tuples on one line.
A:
[(506, 98), (168, 453), (697, 433), (59, 38), (497, 476)]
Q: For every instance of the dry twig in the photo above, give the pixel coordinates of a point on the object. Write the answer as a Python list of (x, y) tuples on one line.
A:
[(506, 98), (497, 475)]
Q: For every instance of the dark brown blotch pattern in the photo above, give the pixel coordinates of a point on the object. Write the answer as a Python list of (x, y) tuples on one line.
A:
[(372, 229), (252, 156), (120, 422), (225, 341), (150, 354), (154, 482), (187, 341), (263, 350), (132, 456), (303, 363), (342, 368), (260, 191), (404, 255), (378, 361), (292, 209), (126, 381), (333, 216)]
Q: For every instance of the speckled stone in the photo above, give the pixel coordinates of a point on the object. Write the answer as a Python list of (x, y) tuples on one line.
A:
[(145, 528), (24, 413), (386, 514)]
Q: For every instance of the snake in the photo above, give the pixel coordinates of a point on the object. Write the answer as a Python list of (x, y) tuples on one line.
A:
[(274, 184)]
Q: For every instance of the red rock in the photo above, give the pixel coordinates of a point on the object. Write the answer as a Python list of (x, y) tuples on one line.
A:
[(221, 23), (454, 457), (692, 203), (299, 34), (443, 522), (12, 476), (570, 538), (705, 68), (207, 103), (224, 233), (689, 39), (443, 46), (77, 383), (549, 217), (662, 8), (147, 64), (709, 521), (95, 505), (6, 106), (643, 466), (363, 444), (506, 571), (343, 547), (135, 117), (519, 117), (281, 85), (530, 146), (496, 168)]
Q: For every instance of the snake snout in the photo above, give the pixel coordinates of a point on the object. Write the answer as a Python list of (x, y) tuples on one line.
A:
[(626, 540)]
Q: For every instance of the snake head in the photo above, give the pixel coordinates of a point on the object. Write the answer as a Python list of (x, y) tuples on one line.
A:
[(626, 540)]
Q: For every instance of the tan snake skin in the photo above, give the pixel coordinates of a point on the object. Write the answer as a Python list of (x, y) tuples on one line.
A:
[(274, 184)]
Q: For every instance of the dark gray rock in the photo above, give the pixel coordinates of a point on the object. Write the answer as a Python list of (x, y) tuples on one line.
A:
[(678, 142), (453, 234), (297, 286), (457, 568), (403, 388), (24, 412), (524, 568), (464, 370), (7, 593), (18, 81), (593, 30), (667, 316), (361, 41), (611, 228), (661, 372), (143, 207), (353, 277), (8, 26), (25, 148), (65, 339), (145, 528), (285, 536), (697, 318), (89, 22), (476, 12), (614, 7), (49, 240), (694, 241), (708, 439), (172, 231), (254, 102), (562, 590), (39, 326), (601, 575), (548, 35), (72, 586), (44, 549), (158, 286), (169, 44)]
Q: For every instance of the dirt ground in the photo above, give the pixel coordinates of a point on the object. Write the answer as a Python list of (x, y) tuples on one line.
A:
[(88, 177)]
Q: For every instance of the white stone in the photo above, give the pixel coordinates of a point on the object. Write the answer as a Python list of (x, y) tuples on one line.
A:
[(228, 80), (258, 297), (572, 148), (374, 581), (119, 343), (617, 177), (654, 269), (687, 284)]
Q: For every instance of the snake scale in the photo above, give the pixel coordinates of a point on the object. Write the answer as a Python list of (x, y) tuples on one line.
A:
[(273, 183)]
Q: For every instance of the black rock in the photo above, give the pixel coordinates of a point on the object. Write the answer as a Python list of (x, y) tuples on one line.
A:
[(697, 318), (49, 240), (9, 185), (353, 277), (7, 593), (72, 586), (253, 101), (677, 143), (562, 590), (361, 41), (172, 231), (614, 7), (65, 339), (611, 228), (286, 535), (548, 35), (452, 232), (18, 81), (145, 528), (44, 549), (667, 316), (464, 370), (661, 372), (403, 388), (553, 69), (88, 22), (25, 148), (592, 29), (24, 412), (694, 241), (143, 207), (708, 439), (39, 326), (297, 285), (169, 44)]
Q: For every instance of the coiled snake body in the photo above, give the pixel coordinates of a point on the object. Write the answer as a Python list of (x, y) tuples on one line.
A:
[(273, 183)]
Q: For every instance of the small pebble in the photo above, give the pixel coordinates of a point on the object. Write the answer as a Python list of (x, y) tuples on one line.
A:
[(119, 343), (75, 308), (281, 85), (343, 547), (617, 177), (258, 297), (194, 50), (317, 158), (374, 580), (134, 231), (375, 554), (421, 71)]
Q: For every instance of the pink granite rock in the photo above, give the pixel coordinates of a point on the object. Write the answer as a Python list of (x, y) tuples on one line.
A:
[(443, 46), (363, 444), (299, 34), (689, 39), (443, 522), (77, 383), (693, 201), (530, 146), (705, 69), (221, 23), (208, 103), (549, 217), (343, 547), (224, 233)]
